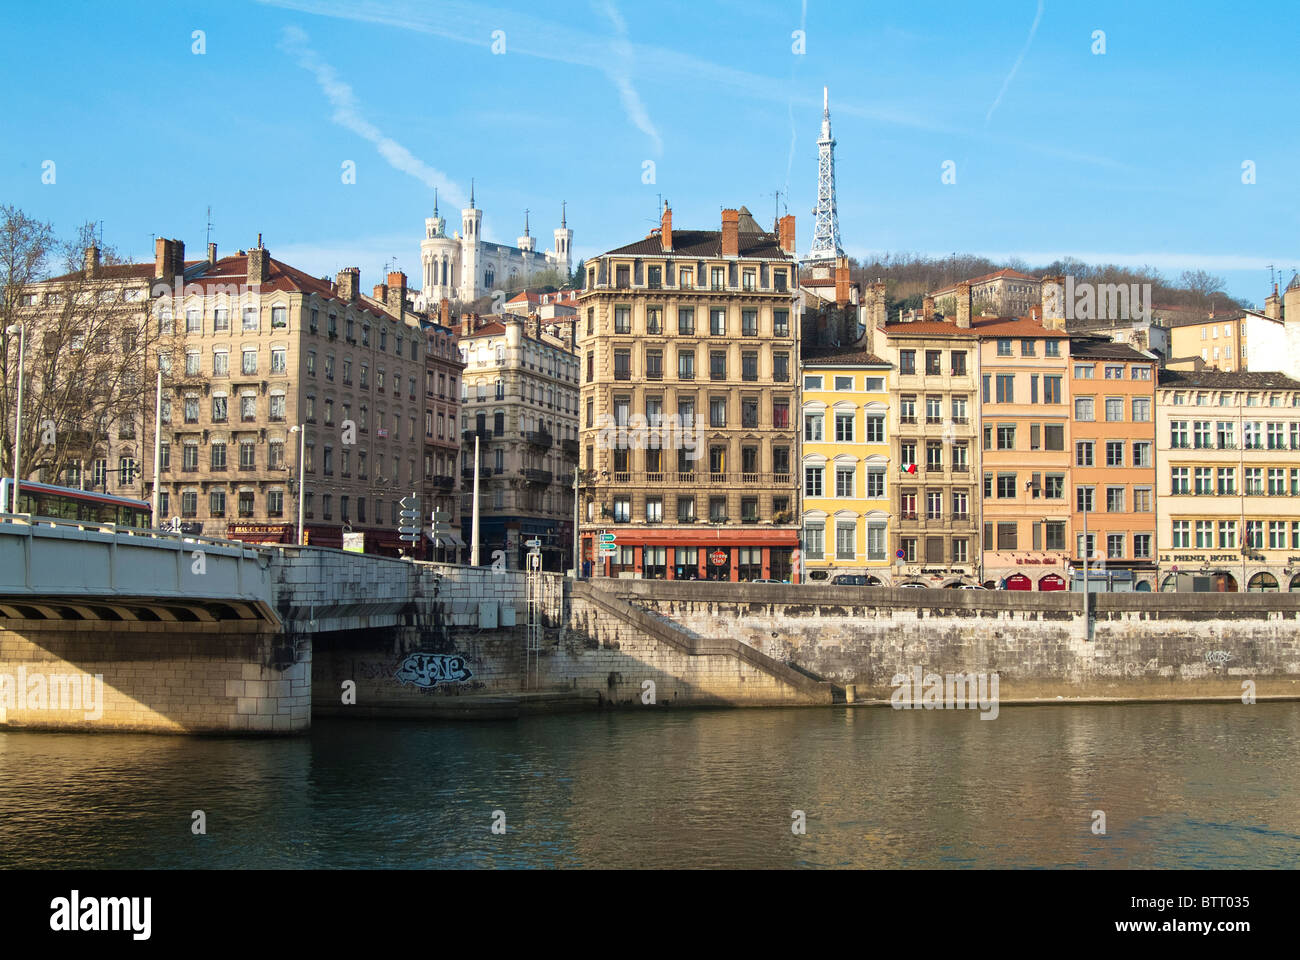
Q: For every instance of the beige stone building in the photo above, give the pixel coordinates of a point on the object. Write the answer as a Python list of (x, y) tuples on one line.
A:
[(934, 426), (1003, 293), (273, 348), (1228, 481), (520, 399), (689, 348)]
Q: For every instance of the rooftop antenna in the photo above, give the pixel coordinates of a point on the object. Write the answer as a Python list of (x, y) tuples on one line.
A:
[(1272, 279)]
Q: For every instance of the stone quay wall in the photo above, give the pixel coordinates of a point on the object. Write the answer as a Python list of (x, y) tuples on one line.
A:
[(1143, 646)]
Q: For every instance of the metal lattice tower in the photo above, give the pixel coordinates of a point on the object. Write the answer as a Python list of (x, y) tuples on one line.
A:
[(826, 228)]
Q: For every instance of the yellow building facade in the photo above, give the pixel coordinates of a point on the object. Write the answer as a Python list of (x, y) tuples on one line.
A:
[(845, 464)]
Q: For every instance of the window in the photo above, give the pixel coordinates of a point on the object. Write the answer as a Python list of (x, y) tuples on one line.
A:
[(247, 407), (218, 455), (749, 321), (1179, 480), (1004, 347), (1181, 531), (844, 427), (248, 363), (685, 364), (1178, 437), (220, 363), (1083, 453), (718, 321), (812, 481), (686, 321), (814, 539), (622, 365), (1006, 433), (933, 363), (1084, 499), (958, 358), (279, 360), (844, 481), (1114, 453), (781, 318), (217, 503), (749, 366), (622, 319), (717, 365), (1141, 499), (875, 483), (1083, 371), (1142, 546), (717, 411), (1083, 408), (250, 318), (1114, 499), (1008, 536), (781, 367), (1054, 486), (1027, 348), (812, 427), (875, 428), (654, 319), (1053, 436), (1141, 410), (1006, 486), (1006, 388), (221, 320), (846, 535), (1114, 409), (906, 362)]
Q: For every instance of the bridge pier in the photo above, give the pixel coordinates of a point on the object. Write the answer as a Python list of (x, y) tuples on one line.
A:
[(153, 677)]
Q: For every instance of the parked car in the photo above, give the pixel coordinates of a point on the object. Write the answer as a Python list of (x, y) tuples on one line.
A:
[(850, 580), (913, 586), (972, 586), (769, 581)]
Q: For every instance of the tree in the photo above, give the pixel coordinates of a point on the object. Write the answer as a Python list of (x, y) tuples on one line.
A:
[(92, 343), (578, 277)]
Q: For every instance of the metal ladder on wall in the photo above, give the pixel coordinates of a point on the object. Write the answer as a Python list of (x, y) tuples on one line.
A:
[(533, 635)]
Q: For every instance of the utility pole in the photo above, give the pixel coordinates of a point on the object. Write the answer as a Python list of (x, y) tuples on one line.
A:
[(157, 448), (473, 547), (577, 560)]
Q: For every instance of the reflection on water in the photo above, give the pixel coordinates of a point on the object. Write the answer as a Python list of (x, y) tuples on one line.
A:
[(1196, 785)]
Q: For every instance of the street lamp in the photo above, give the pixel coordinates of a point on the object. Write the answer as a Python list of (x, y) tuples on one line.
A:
[(21, 330), (302, 469)]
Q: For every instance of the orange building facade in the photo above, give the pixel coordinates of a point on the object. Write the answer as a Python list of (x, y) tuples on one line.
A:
[(1113, 422), (1025, 439)]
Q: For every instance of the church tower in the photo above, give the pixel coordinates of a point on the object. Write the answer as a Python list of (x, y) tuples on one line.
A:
[(563, 240), (471, 220)]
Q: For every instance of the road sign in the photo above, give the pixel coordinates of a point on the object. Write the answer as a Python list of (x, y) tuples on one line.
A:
[(607, 538), (410, 529), (718, 557), (533, 544)]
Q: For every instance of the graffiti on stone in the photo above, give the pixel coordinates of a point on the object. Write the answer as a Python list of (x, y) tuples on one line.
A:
[(430, 669)]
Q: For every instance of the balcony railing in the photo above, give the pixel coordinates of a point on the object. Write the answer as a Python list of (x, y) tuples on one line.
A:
[(538, 438), (445, 482), (538, 476), (907, 420)]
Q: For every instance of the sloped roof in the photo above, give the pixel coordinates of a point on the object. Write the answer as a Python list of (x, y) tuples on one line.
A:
[(705, 245), (1228, 379)]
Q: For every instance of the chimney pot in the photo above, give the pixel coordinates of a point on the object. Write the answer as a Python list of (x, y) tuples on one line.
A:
[(91, 263), (666, 230), (348, 283), (212, 254)]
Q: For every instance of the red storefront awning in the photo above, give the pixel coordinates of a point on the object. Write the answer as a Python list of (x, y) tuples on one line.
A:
[(1018, 581), (1051, 582)]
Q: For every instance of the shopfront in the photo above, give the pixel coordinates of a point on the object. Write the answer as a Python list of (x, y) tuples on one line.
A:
[(720, 555)]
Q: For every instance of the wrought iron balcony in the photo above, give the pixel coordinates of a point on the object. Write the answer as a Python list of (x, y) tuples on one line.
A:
[(538, 438)]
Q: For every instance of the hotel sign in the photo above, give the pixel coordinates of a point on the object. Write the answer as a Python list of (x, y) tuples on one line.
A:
[(1200, 558)]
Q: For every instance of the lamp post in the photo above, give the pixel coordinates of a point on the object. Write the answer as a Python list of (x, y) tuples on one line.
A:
[(21, 330), (302, 470)]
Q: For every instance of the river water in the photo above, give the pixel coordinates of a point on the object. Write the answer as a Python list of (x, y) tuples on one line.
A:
[(1192, 785)]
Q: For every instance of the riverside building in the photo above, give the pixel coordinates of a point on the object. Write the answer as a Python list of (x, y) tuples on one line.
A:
[(1228, 484), (688, 350)]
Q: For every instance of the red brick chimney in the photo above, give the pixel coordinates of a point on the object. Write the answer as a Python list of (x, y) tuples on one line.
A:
[(381, 292), (731, 233), (927, 308), (785, 229), (349, 283), (842, 283), (666, 230), (466, 325), (444, 312), (963, 305)]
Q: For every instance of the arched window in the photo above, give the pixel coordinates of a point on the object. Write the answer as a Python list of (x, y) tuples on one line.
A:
[(501, 353)]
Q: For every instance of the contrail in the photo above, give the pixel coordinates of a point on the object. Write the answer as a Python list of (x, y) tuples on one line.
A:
[(295, 42), (618, 71), (1016, 66)]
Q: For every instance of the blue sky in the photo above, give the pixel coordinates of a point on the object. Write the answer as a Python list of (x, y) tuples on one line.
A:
[(1132, 156)]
